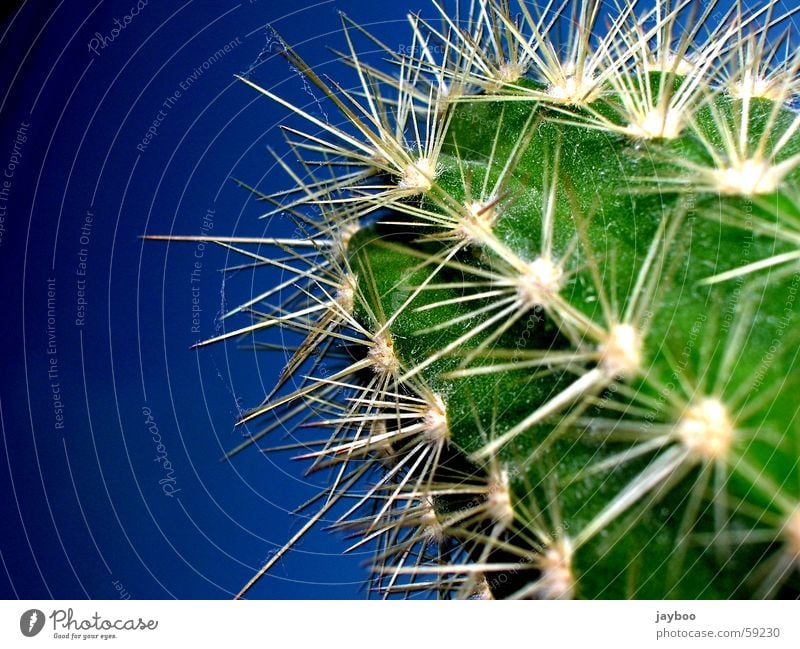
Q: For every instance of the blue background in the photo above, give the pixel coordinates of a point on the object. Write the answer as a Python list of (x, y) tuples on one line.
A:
[(83, 512)]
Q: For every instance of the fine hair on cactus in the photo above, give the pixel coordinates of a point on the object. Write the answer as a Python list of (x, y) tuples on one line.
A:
[(543, 301)]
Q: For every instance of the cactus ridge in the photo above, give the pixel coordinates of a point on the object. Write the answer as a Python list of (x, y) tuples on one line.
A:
[(545, 302)]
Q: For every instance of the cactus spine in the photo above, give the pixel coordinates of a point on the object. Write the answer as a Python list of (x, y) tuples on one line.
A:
[(554, 291)]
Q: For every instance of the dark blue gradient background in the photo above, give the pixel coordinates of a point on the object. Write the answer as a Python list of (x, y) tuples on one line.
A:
[(83, 510)]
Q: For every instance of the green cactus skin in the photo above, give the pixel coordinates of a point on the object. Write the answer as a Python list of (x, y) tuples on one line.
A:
[(563, 289), (702, 342)]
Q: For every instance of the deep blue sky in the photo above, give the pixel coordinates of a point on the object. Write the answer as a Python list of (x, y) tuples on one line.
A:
[(83, 504)]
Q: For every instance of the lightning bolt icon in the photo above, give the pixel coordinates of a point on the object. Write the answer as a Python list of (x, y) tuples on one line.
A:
[(32, 620)]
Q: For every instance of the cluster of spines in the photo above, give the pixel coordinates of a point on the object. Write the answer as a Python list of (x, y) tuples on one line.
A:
[(645, 78)]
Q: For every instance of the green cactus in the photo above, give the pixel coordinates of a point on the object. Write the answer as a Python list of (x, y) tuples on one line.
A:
[(547, 302)]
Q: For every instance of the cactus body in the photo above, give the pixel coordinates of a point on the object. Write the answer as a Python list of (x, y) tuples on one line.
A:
[(557, 288)]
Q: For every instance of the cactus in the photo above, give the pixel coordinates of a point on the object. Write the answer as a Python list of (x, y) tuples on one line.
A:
[(545, 302)]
